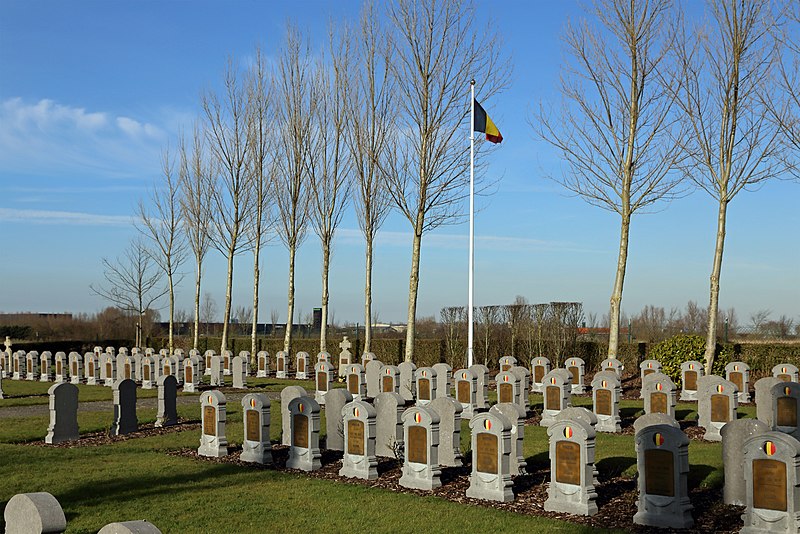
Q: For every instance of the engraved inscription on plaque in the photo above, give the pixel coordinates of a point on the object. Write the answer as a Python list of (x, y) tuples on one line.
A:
[(280, 364), (300, 430), (74, 368), (58, 367), (576, 373), (388, 384), (505, 393), (167, 370), (659, 473), (486, 448), (738, 379), (720, 405), (463, 391), (322, 381), (690, 380), (553, 398), (209, 421), (91, 368), (769, 485), (352, 383), (301, 365), (146, 371), (538, 373), (658, 403), (785, 378), (787, 412), (649, 372), (187, 374), (30, 366), (127, 371), (109, 372), (417, 445), (424, 389), (568, 462), (261, 364), (602, 402), (355, 437), (253, 426)]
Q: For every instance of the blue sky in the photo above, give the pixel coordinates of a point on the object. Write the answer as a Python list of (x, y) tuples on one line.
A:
[(91, 91)]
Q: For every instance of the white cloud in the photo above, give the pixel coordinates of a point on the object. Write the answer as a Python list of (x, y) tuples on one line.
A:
[(47, 115), (135, 128), (63, 217)]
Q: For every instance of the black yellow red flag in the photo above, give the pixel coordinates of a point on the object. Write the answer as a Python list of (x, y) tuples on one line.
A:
[(481, 122)]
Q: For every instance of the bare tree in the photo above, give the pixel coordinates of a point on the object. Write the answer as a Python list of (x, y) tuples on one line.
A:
[(162, 224), (759, 319), (226, 129), (208, 311), (786, 110), (616, 128), (273, 319), (489, 317), (437, 50), (515, 315), (732, 144), (132, 283), (242, 316), (294, 110), (454, 321)]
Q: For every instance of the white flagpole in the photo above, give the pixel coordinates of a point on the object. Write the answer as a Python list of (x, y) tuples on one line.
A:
[(470, 307)]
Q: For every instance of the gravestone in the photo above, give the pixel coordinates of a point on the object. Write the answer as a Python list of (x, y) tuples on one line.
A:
[(245, 356), (324, 357), (508, 388), (345, 356), (108, 369), (516, 416), (63, 413), (572, 478), (1, 386), (217, 376), (716, 405), (691, 371), (32, 366), (239, 372), (148, 372), (578, 413), (366, 358), (449, 411), (191, 373), (577, 368), (323, 374), (140, 526), (785, 406), (654, 419), (406, 383), (557, 394), (426, 385), (166, 367), (262, 364), (506, 363), (606, 394), (61, 367), (786, 372), (421, 461), (481, 374), (281, 364), (304, 453), (335, 401), (75, 368), (613, 364), (372, 372), (734, 435), (647, 368), (212, 432), (772, 475), (125, 421), (466, 387), (359, 424), (256, 447), (355, 381), (126, 367), (390, 380), (167, 401), (389, 408), (739, 374), (301, 365), (28, 513), (658, 391), (207, 361), (46, 368), (662, 459), (540, 366), (288, 394), (492, 449), (444, 379), (227, 357), (764, 407), (18, 364), (523, 380), (137, 366)]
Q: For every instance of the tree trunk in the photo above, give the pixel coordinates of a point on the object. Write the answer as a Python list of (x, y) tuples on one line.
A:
[(619, 281), (226, 318), (413, 287), (368, 294), (197, 307), (287, 338), (171, 314), (326, 262), (256, 278), (713, 301)]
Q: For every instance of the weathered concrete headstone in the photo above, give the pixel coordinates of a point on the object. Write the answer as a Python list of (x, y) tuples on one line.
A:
[(75, 368), (217, 375), (491, 458), (466, 386), (18, 363), (390, 380), (304, 453), (63, 413), (557, 394), (786, 372), (646, 368), (739, 374), (212, 432), (662, 458), (516, 416), (506, 363), (366, 358), (613, 364), (577, 368), (785, 406), (207, 361), (481, 374), (324, 357), (191, 374), (256, 446), (281, 364), (734, 435), (359, 424), (691, 371), (444, 379), (449, 411), (772, 475), (262, 363), (658, 391), (323, 379), (389, 409), (355, 380), (125, 420), (654, 419), (764, 407), (523, 379), (372, 371), (140, 526), (61, 367), (239, 372), (571, 488), (426, 384), (46, 369), (406, 384), (421, 436), (245, 356), (108, 369), (227, 357), (28, 513), (301, 365), (335, 401), (288, 394), (508, 387), (345, 356), (32, 366), (540, 366), (606, 393), (148, 372), (716, 405), (167, 401)]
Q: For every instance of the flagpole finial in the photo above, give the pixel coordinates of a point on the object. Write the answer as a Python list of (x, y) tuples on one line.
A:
[(472, 81)]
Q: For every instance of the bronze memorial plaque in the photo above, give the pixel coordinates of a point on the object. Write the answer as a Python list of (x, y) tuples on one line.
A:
[(30, 366), (568, 462), (785, 378), (538, 373), (659, 473), (300, 430), (91, 368), (769, 485), (576, 373), (280, 364), (486, 446), (261, 364), (227, 362), (127, 371), (505, 392), (58, 367), (74, 367), (301, 365), (352, 383), (253, 426), (209, 421), (16, 366), (322, 381), (463, 392), (424, 389), (167, 370), (553, 398), (602, 402), (649, 372), (187, 374), (355, 437), (658, 402), (146, 371), (690, 381), (417, 444), (388, 383), (109, 372), (787, 412), (505, 367), (738, 379), (720, 405)]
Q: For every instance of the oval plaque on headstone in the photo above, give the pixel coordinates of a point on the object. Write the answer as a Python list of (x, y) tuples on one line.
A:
[(253, 424), (787, 412), (388, 384), (553, 398), (300, 431), (463, 392), (486, 449), (603, 402), (690, 381), (322, 381), (720, 405), (568, 462), (424, 389), (505, 392), (417, 444), (209, 421), (659, 472), (355, 437), (658, 402), (538, 373), (769, 485), (576, 373)]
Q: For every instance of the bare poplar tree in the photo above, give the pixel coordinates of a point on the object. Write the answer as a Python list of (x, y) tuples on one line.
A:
[(437, 50), (732, 144), (786, 110), (226, 132), (197, 183), (616, 128), (294, 110), (371, 116), (162, 223)]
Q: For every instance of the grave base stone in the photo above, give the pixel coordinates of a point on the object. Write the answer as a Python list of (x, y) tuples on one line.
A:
[(130, 527), (27, 513)]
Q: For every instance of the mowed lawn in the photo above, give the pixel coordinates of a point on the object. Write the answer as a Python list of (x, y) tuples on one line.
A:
[(138, 479)]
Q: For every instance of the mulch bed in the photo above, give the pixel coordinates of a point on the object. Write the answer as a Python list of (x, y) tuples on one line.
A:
[(95, 439)]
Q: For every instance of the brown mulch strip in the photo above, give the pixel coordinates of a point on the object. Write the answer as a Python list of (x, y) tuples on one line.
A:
[(95, 439)]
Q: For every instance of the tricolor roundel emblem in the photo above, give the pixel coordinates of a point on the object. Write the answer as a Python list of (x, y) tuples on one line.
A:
[(769, 448), (356, 412), (720, 388), (568, 432), (301, 408), (487, 424), (252, 403), (658, 439), (553, 380), (417, 417), (787, 390), (604, 384), (659, 386)]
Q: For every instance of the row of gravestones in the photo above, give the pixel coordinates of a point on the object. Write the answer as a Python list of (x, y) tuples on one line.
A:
[(39, 513)]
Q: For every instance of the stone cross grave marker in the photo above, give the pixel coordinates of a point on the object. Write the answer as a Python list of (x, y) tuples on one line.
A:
[(63, 413), (212, 432), (125, 420), (739, 374), (389, 409), (359, 424), (167, 401), (540, 366), (577, 368), (785, 372), (716, 405), (334, 425), (606, 393), (288, 394), (421, 435), (426, 385), (444, 379), (304, 453), (516, 416), (571, 488), (256, 447), (491, 458), (691, 371), (658, 391)]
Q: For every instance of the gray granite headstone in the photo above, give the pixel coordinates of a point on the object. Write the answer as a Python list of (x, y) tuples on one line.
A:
[(449, 411), (148, 372), (540, 366), (613, 364), (658, 392), (256, 446), (301, 365), (239, 372), (167, 401), (389, 408), (140, 526), (516, 416), (46, 368), (691, 371), (372, 371), (366, 358), (481, 374), (359, 459), (577, 368), (523, 380), (647, 368), (323, 380), (764, 408), (492, 450), (426, 385), (75, 368), (739, 374), (63, 413), (786, 372), (304, 453), (406, 383), (288, 394), (651, 419), (29, 513), (509, 388), (506, 363), (606, 394), (717, 401), (557, 390), (355, 381), (421, 460), (444, 377), (572, 476), (734, 434), (191, 374), (786, 407), (125, 421), (281, 364), (262, 364), (213, 441), (389, 381), (466, 388), (217, 376), (335, 400)]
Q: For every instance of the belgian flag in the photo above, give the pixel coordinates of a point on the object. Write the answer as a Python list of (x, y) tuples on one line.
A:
[(482, 123)]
